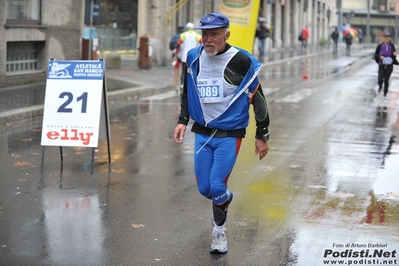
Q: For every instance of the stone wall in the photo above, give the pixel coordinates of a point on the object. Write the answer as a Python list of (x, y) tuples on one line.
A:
[(60, 36)]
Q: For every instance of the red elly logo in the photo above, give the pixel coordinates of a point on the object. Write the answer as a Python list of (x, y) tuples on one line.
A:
[(70, 134)]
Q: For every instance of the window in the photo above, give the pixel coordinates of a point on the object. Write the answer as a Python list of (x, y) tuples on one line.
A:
[(23, 11), (116, 24), (22, 56)]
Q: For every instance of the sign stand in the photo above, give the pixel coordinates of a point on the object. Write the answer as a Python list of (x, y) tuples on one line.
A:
[(76, 106), (42, 162)]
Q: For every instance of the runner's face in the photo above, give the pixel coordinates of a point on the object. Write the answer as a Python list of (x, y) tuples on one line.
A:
[(214, 40)]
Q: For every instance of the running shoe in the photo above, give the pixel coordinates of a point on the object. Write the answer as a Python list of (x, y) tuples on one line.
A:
[(219, 240), (219, 243)]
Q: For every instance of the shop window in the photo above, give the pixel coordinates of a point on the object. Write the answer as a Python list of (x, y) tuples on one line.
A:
[(22, 57), (116, 24), (22, 12)]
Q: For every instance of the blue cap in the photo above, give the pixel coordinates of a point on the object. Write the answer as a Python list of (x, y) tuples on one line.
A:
[(214, 21)]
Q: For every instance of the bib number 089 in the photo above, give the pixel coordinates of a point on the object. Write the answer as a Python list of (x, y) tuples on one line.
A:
[(209, 91)]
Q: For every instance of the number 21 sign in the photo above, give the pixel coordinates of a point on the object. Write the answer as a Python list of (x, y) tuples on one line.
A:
[(72, 104)]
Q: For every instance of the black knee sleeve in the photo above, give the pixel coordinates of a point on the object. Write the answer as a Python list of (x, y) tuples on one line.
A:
[(220, 213)]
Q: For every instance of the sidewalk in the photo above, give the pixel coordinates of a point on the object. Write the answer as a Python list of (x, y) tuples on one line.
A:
[(130, 82)]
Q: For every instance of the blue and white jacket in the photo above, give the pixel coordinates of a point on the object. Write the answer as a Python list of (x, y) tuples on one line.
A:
[(235, 114)]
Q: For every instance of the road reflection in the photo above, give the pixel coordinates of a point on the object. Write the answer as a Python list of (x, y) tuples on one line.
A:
[(73, 226)]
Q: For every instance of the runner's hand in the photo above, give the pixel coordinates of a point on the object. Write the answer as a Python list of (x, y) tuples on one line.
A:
[(178, 134), (261, 148)]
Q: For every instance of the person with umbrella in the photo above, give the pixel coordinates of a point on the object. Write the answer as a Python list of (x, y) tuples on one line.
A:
[(349, 34)]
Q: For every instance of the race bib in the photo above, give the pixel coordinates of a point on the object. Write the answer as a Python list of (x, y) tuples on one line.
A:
[(387, 60), (210, 90)]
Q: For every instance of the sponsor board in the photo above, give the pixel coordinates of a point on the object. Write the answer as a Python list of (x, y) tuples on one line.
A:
[(73, 103)]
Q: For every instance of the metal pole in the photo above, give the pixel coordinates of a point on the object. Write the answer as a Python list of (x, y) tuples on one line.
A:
[(42, 162), (396, 29), (368, 36), (91, 25), (92, 160)]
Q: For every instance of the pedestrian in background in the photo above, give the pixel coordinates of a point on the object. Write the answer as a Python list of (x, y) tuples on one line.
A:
[(348, 41), (221, 83), (175, 60), (305, 36), (360, 35), (385, 56), (335, 36), (188, 40), (262, 33)]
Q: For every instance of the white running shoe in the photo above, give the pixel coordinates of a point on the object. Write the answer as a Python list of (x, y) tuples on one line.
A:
[(219, 243)]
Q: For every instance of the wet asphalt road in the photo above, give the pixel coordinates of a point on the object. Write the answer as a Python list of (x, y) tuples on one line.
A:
[(327, 190)]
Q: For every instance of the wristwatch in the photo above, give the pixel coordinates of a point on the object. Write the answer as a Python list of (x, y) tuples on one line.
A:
[(263, 138)]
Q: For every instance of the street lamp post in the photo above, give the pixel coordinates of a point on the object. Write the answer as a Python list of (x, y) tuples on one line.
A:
[(368, 37), (328, 13), (395, 35), (91, 25), (349, 16)]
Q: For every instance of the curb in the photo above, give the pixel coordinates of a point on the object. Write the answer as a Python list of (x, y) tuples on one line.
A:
[(118, 95), (21, 114)]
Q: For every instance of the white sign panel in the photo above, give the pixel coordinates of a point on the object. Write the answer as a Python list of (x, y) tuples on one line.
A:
[(72, 104)]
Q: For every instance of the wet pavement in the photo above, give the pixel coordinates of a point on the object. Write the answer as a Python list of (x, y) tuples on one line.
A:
[(327, 191)]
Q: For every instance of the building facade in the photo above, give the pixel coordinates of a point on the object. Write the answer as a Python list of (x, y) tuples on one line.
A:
[(164, 17), (32, 31), (288, 17), (161, 18), (35, 30), (372, 16)]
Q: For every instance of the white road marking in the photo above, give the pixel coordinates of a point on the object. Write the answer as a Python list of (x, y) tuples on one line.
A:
[(297, 96), (161, 96), (267, 91)]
